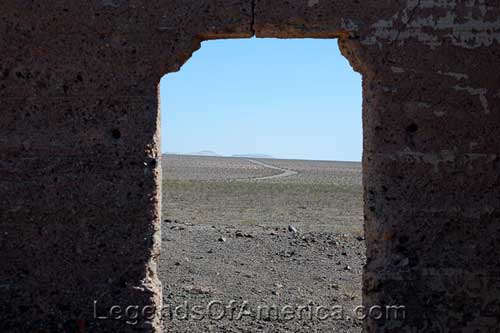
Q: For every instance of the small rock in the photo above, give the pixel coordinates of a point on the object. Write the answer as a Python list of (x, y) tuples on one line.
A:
[(222, 239), (239, 234), (360, 238), (210, 251), (174, 227), (291, 228), (334, 286), (167, 221), (287, 254), (197, 290), (348, 268)]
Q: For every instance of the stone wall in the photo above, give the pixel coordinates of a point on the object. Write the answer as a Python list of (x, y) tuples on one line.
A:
[(79, 151)]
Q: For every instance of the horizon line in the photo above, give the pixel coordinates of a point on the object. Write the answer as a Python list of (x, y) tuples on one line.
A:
[(270, 157)]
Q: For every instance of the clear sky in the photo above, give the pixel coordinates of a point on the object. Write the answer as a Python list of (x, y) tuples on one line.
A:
[(296, 98)]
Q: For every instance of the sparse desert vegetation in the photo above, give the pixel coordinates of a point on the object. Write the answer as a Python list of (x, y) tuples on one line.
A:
[(293, 241)]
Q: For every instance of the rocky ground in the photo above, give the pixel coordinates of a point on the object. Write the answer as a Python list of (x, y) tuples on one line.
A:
[(262, 256)]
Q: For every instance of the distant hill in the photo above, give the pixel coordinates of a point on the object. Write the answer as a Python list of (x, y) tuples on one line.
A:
[(252, 156), (205, 153), (214, 154)]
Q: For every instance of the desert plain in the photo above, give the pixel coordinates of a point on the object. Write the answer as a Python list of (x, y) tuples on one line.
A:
[(261, 245)]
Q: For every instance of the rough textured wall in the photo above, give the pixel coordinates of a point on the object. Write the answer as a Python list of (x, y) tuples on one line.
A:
[(79, 150)]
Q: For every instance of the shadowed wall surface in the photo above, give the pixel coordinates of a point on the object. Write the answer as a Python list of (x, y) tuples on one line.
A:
[(79, 151)]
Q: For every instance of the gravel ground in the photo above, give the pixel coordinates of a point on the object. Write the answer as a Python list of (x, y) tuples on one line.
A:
[(275, 255)]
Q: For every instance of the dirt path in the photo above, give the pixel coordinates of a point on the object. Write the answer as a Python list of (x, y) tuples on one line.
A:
[(285, 172)]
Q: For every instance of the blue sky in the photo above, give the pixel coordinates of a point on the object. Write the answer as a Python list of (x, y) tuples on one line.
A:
[(295, 98)]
